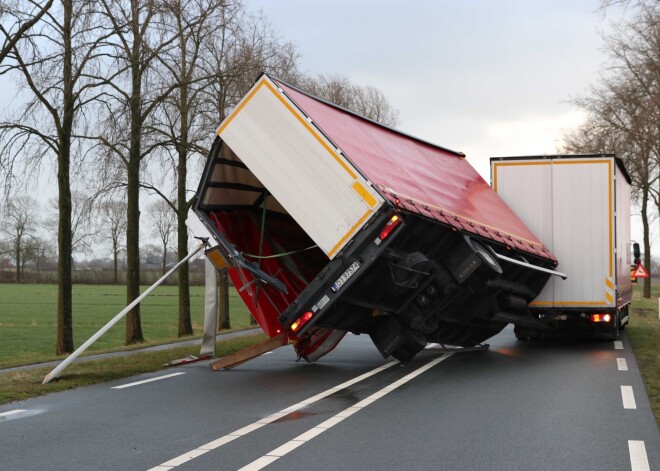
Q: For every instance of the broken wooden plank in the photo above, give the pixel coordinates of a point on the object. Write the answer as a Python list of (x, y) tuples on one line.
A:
[(229, 361)]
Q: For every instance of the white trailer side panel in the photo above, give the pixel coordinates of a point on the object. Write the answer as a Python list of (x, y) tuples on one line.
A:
[(319, 188), (569, 205), (623, 254)]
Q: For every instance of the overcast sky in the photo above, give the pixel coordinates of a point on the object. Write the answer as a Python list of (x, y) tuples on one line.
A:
[(485, 77)]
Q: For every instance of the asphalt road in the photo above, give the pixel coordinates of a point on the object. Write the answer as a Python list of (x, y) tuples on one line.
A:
[(519, 406)]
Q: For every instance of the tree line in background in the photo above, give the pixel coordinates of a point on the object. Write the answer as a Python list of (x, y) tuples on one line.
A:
[(623, 109), (121, 97)]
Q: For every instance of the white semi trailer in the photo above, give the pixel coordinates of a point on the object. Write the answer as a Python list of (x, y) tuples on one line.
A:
[(579, 207)]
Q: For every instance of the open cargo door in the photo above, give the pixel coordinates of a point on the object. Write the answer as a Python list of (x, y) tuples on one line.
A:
[(330, 200)]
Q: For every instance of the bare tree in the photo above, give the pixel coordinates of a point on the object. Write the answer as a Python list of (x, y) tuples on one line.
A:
[(139, 38), (19, 224), (163, 222), (624, 109), (113, 229), (39, 251), (178, 123), (364, 100), (55, 60), (20, 21), (83, 227), (234, 57)]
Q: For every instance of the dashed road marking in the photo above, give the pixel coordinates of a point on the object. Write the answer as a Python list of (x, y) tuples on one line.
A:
[(12, 412), (137, 383), (628, 397), (638, 459), (621, 364), (265, 421), (618, 345), (291, 445)]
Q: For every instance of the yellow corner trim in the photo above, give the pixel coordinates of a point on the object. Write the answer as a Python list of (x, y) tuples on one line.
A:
[(609, 283), (364, 194)]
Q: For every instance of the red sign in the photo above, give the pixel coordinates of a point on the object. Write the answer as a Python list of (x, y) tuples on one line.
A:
[(640, 272)]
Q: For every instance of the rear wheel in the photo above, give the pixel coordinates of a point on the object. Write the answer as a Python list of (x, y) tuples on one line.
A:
[(613, 334), (411, 347)]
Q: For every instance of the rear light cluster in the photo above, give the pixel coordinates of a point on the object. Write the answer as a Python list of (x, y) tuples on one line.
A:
[(388, 228), (385, 232), (301, 321), (598, 318)]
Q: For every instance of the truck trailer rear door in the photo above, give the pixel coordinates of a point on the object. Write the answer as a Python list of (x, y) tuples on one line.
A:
[(325, 194)]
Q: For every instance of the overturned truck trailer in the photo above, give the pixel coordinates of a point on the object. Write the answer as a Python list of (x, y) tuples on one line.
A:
[(331, 223)]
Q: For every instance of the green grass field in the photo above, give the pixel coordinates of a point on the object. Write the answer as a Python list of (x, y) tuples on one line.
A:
[(644, 335), (28, 318)]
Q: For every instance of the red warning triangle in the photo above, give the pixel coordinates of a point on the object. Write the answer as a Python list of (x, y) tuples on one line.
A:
[(640, 272)]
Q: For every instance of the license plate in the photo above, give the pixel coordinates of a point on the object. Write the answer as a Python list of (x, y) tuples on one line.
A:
[(350, 271)]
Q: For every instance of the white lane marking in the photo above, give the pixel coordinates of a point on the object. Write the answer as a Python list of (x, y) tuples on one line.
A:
[(291, 445), (622, 364), (137, 383), (638, 459), (218, 442), (12, 412), (618, 345), (628, 397)]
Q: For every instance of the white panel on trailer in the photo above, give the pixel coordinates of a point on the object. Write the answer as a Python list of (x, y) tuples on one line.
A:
[(526, 187), (583, 237), (320, 189), (569, 205)]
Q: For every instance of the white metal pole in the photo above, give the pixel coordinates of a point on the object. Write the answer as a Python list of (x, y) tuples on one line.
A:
[(116, 319)]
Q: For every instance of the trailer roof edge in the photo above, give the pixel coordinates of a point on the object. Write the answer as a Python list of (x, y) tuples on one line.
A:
[(619, 161), (357, 115)]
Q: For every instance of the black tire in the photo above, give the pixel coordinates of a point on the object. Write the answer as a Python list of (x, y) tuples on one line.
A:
[(621, 325), (411, 347), (613, 334)]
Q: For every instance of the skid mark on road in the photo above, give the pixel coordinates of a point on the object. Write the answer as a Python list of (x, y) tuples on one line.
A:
[(291, 445)]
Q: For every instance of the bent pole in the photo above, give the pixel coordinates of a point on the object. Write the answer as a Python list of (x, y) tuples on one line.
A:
[(116, 319)]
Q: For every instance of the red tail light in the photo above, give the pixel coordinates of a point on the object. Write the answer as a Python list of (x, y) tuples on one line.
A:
[(302, 320), (390, 226), (600, 318)]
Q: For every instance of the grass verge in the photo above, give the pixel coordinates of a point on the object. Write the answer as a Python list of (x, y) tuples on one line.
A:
[(644, 333), (21, 385), (28, 318)]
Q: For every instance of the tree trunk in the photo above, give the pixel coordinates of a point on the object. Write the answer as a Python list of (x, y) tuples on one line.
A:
[(185, 323), (64, 233), (133, 321), (115, 252), (17, 248), (223, 304), (647, 242)]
